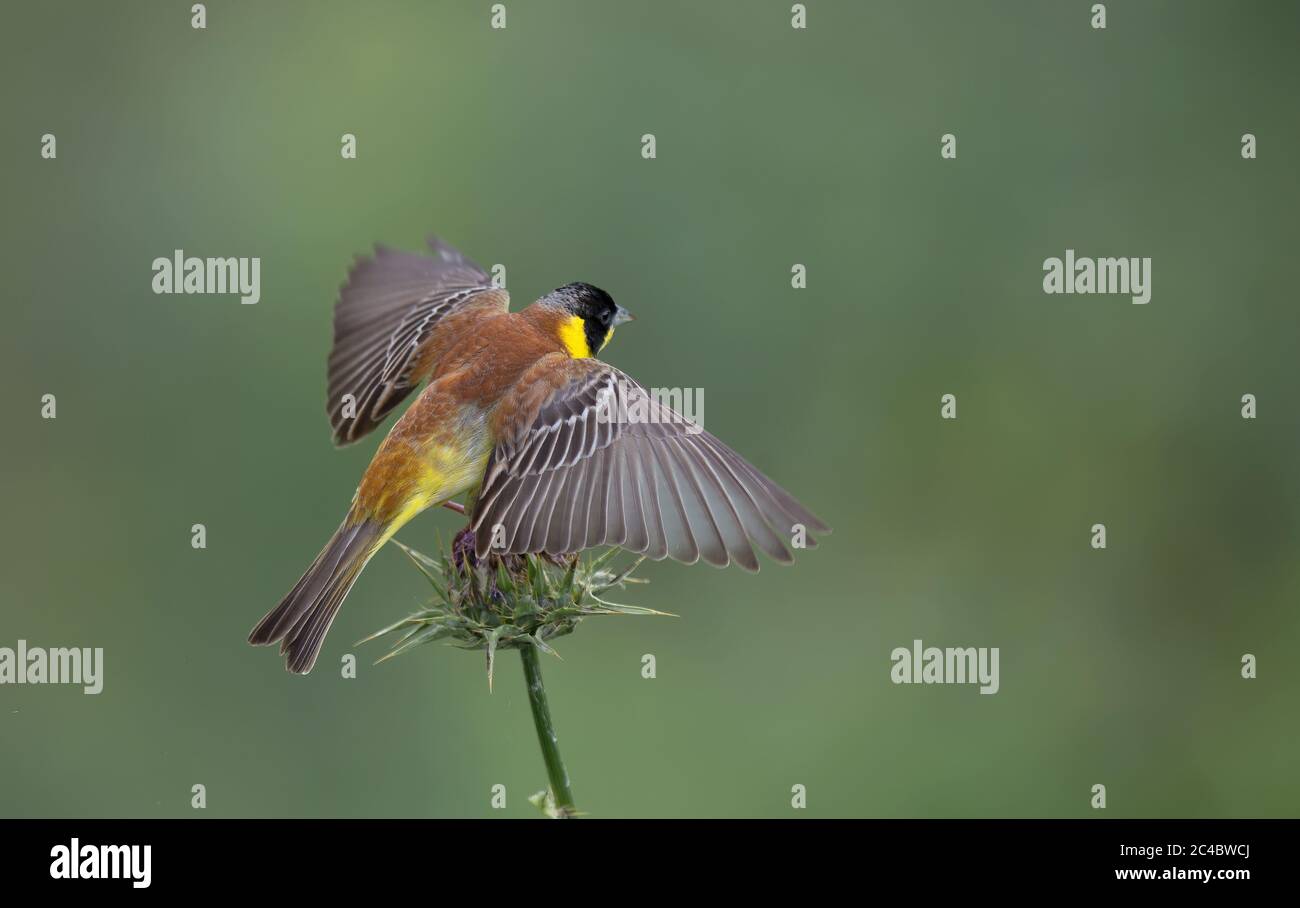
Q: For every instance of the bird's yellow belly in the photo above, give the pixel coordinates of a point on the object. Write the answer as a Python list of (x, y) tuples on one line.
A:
[(449, 471), (454, 469), (413, 471)]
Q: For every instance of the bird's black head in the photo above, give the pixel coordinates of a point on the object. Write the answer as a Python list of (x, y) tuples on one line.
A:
[(591, 317)]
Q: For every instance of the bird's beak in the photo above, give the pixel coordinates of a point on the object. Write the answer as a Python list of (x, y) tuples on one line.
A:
[(621, 315)]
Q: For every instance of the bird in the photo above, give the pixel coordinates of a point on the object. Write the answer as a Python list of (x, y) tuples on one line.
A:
[(520, 417)]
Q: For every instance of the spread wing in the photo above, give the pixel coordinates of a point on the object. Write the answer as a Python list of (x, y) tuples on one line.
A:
[(386, 315), (603, 463)]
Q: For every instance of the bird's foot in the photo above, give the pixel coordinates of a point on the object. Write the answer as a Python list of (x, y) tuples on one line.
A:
[(462, 551)]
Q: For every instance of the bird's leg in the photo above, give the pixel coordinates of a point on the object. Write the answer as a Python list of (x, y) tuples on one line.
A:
[(462, 545)]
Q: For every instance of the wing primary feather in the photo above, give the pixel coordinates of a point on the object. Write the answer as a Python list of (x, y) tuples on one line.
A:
[(529, 517), (726, 517), (580, 498), (615, 519), (597, 493), (524, 509), (498, 511), (581, 521), (561, 529), (783, 499), (677, 530), (751, 516), (723, 504), (545, 510), (765, 492), (656, 542), (637, 534), (699, 517)]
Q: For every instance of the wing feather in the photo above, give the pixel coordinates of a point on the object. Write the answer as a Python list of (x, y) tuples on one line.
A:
[(751, 518), (682, 545), (386, 315), (575, 473), (637, 538), (712, 511), (648, 488)]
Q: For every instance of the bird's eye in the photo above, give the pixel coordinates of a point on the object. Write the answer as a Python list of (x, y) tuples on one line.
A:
[(606, 317)]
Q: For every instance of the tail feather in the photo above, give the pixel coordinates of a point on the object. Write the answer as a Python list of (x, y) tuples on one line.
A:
[(304, 616)]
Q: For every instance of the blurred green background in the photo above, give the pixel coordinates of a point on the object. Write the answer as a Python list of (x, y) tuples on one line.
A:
[(775, 146)]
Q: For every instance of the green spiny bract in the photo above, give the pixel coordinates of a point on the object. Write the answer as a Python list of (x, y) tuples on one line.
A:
[(508, 602)]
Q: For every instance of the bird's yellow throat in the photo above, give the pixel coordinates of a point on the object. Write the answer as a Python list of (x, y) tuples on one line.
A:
[(573, 334)]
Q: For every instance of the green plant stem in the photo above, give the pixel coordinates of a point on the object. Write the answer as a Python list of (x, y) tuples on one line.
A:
[(561, 792)]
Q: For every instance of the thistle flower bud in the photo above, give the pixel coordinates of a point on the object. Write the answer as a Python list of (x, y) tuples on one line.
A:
[(508, 602)]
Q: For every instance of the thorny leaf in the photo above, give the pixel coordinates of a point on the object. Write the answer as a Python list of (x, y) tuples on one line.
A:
[(506, 603)]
